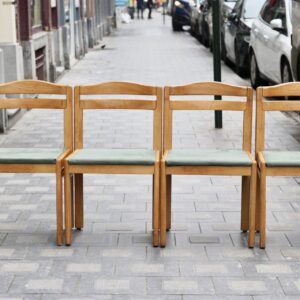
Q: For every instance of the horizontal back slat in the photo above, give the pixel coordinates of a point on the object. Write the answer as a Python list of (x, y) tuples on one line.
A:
[(281, 105), (208, 105), (208, 88), (281, 90), (32, 87), (118, 104), (117, 88), (32, 103)]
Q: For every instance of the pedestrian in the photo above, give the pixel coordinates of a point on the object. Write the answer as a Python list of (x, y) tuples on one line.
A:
[(149, 6), (131, 8), (140, 8)]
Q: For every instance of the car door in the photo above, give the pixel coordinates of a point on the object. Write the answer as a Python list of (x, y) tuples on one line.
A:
[(230, 29)]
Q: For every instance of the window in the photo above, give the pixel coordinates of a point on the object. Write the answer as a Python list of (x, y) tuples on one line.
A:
[(36, 16), (274, 9)]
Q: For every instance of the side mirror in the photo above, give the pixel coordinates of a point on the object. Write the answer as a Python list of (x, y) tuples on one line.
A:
[(276, 24)]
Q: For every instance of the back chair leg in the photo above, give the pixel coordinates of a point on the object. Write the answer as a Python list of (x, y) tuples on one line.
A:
[(252, 206), (245, 203), (59, 206), (168, 200), (262, 213), (163, 206), (79, 209), (156, 196), (68, 207)]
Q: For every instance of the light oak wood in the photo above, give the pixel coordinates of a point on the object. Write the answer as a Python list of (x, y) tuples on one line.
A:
[(81, 104), (262, 105), (35, 87), (247, 172)]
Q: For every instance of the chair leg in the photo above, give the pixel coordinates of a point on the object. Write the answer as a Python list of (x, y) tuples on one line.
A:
[(262, 212), (257, 214), (252, 206), (169, 200), (59, 206), (163, 205), (79, 209), (245, 203), (68, 206), (72, 199), (156, 195)]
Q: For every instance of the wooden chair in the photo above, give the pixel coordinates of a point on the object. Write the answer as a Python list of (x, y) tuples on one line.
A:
[(209, 162), (113, 161), (39, 160), (273, 163)]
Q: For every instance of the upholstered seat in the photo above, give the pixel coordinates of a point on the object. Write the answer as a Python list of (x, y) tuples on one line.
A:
[(29, 155), (207, 158), (112, 157), (282, 158)]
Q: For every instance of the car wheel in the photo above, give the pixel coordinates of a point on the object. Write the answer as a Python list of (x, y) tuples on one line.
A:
[(286, 73), (176, 26), (254, 72), (240, 70)]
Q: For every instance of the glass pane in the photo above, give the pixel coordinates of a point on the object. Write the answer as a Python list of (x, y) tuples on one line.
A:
[(36, 18), (67, 10)]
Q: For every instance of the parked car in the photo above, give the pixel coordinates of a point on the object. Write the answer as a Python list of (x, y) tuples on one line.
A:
[(205, 22), (237, 33), (295, 58), (270, 44), (195, 16), (181, 13)]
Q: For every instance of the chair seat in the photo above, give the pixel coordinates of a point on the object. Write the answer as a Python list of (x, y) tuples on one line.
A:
[(282, 158), (208, 158), (29, 155), (112, 157)]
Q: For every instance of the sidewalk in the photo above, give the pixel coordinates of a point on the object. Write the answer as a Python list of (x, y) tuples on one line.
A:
[(112, 258)]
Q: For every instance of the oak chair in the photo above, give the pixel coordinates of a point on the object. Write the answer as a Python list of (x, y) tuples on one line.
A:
[(208, 162), (113, 161), (39, 160), (273, 163)]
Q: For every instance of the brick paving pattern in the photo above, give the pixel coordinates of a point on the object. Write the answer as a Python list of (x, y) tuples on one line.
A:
[(112, 258)]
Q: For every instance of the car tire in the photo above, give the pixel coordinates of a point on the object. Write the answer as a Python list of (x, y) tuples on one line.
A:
[(176, 26), (255, 77), (240, 70), (286, 73)]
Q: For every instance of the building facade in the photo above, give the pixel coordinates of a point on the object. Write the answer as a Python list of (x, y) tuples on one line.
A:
[(39, 39)]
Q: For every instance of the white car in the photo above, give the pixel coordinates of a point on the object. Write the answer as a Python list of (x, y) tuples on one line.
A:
[(270, 44)]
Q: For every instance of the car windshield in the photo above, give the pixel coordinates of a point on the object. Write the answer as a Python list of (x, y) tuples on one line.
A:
[(252, 8)]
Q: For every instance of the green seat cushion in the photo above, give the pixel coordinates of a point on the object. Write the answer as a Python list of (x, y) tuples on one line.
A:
[(112, 157), (29, 155), (282, 158), (208, 158)]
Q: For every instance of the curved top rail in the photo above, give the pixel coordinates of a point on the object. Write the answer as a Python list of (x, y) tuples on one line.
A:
[(117, 88), (32, 87), (208, 88), (284, 89)]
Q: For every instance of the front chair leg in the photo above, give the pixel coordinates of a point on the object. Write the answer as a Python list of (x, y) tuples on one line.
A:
[(246, 180), (252, 205), (262, 206), (68, 206), (79, 208), (169, 200), (163, 205), (59, 206), (156, 191)]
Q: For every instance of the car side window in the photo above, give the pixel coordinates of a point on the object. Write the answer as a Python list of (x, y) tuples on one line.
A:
[(280, 12), (267, 12), (274, 9)]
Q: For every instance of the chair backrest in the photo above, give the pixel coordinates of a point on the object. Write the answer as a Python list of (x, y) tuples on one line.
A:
[(208, 89), (291, 89), (122, 89), (61, 98)]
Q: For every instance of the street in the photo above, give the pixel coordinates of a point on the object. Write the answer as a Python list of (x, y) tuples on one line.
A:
[(206, 256)]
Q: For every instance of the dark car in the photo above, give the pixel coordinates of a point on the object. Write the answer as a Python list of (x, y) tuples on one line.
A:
[(237, 30), (295, 57), (181, 14)]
